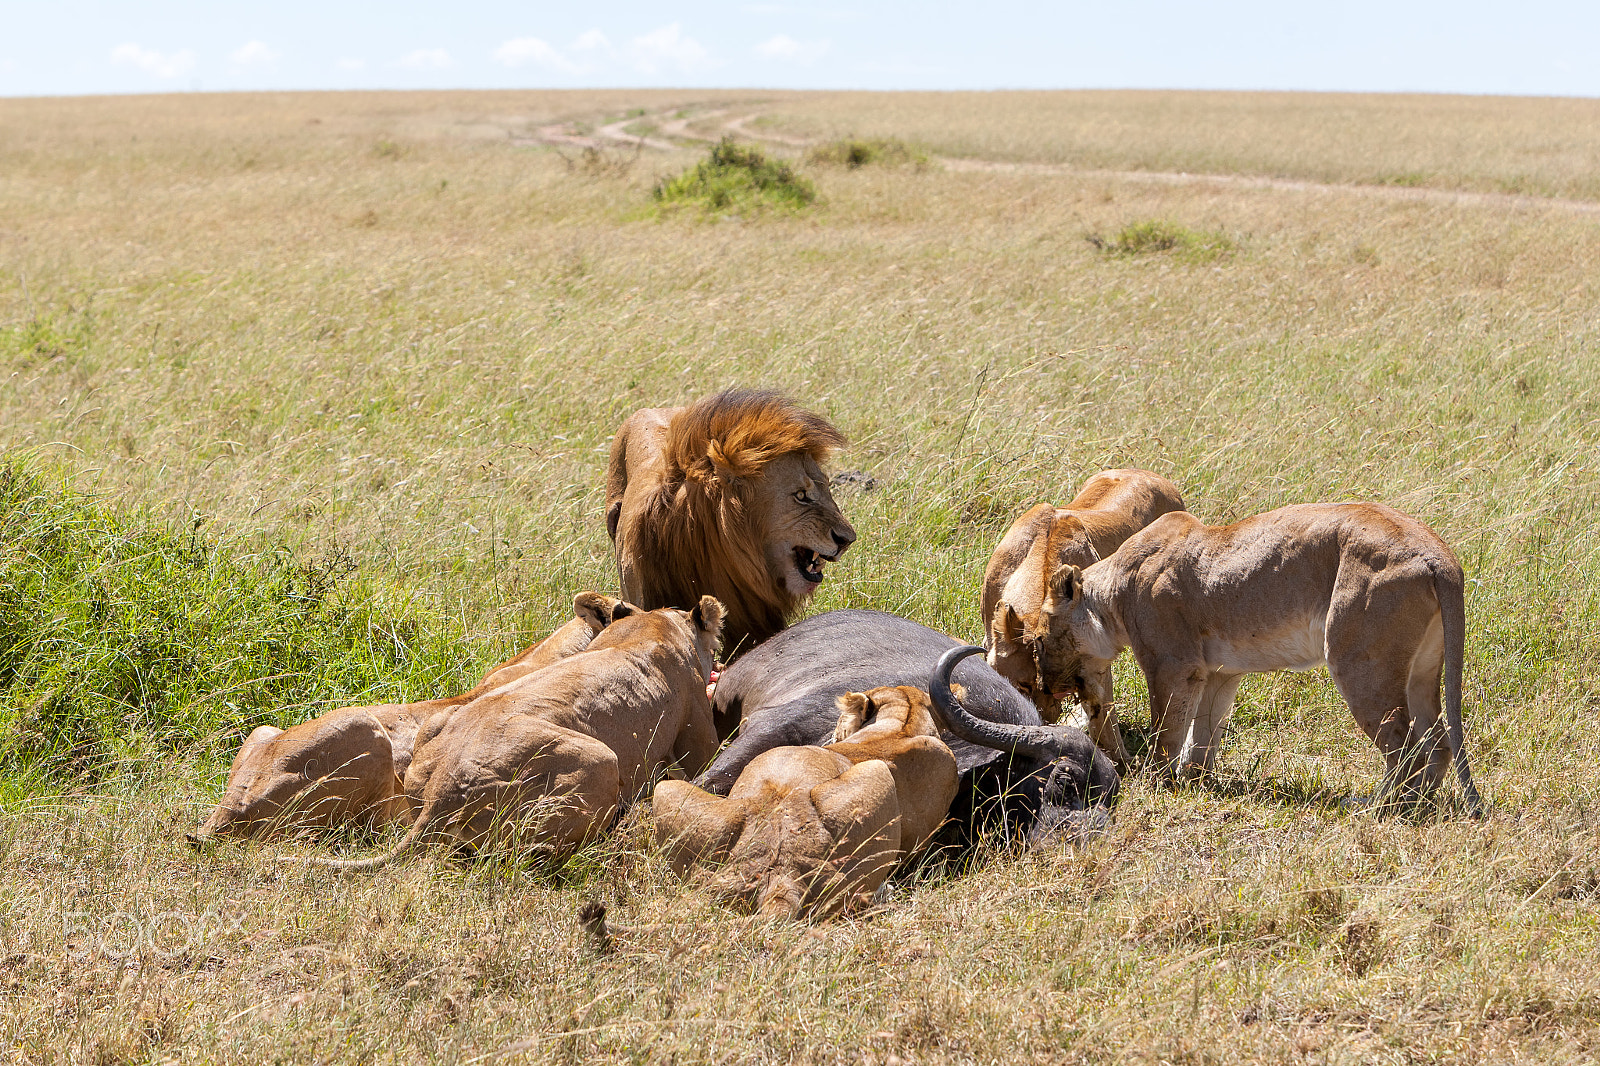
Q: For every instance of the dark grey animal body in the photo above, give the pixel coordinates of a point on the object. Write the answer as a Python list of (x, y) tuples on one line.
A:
[(783, 692)]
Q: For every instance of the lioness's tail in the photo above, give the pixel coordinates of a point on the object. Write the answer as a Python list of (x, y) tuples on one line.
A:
[(1447, 586), (377, 862)]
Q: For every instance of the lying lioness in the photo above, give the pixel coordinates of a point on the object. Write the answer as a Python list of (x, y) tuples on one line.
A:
[(347, 765), (816, 830), (1375, 595), (541, 766), (1111, 507)]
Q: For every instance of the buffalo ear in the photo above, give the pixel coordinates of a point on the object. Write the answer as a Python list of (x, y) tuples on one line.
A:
[(1066, 587), (707, 615), (855, 709), (594, 609)]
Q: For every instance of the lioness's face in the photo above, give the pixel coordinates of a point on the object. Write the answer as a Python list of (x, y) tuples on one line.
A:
[(804, 528), (1065, 671), (1012, 657)]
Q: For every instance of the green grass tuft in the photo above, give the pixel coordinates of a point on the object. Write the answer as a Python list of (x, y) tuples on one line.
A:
[(736, 178), (124, 641), (855, 152), (1159, 235)]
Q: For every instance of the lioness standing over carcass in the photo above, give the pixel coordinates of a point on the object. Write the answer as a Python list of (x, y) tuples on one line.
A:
[(1111, 507), (725, 497), (814, 830), (347, 765), (1372, 593), (541, 766)]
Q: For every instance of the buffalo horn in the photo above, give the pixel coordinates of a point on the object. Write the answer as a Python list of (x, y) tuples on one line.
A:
[(1034, 740)]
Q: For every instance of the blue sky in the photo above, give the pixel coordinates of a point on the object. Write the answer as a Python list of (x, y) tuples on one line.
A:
[(1540, 47)]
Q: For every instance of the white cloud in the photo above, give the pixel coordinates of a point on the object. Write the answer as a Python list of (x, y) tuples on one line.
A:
[(786, 48), (520, 50), (352, 63), (666, 47), (589, 40), (256, 52), (661, 49), (427, 59), (152, 62)]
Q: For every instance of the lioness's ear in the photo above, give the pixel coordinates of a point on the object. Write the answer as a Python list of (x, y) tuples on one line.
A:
[(594, 609), (707, 615), (1008, 625), (1066, 587), (622, 609), (854, 710)]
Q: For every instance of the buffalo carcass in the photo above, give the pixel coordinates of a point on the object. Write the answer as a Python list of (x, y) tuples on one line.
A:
[(1019, 777)]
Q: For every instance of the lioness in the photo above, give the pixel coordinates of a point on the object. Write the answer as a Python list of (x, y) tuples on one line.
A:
[(347, 765), (1111, 507), (816, 830), (541, 766), (725, 496), (1372, 593)]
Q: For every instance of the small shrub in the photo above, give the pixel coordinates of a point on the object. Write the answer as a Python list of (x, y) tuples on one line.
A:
[(736, 178), (854, 152), (1158, 235)]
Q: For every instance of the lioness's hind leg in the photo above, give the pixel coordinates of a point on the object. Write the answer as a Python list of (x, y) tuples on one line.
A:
[(565, 790), (1428, 756), (1381, 646), (1376, 695)]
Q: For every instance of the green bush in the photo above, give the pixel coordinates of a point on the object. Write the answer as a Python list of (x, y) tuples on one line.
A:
[(854, 152), (735, 178), (1159, 235), (124, 642)]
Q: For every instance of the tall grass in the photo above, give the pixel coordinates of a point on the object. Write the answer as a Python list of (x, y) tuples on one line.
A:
[(125, 642)]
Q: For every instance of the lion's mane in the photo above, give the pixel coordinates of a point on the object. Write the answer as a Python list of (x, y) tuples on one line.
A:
[(699, 532)]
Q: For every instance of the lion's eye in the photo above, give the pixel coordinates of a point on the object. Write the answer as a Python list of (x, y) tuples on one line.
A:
[(802, 496)]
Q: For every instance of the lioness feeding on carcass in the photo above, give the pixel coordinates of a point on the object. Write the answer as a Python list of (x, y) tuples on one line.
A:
[(1111, 507), (1039, 782), (725, 497), (542, 766), (1372, 593), (347, 766), (816, 830)]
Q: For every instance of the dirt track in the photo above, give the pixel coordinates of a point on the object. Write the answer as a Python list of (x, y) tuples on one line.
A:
[(675, 130)]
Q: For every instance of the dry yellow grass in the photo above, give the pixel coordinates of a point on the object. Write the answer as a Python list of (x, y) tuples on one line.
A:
[(396, 333)]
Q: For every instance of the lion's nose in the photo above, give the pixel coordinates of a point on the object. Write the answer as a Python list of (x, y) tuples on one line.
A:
[(845, 538)]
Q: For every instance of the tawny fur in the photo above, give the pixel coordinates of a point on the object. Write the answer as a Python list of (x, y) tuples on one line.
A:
[(347, 766), (1111, 507), (714, 498), (813, 831), (1373, 593), (537, 768)]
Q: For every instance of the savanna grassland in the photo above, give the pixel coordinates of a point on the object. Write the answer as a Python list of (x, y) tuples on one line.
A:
[(306, 401)]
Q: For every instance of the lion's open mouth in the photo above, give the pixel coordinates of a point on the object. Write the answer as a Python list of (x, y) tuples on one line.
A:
[(809, 563)]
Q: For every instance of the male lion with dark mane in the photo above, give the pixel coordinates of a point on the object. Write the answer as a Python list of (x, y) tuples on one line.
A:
[(725, 497)]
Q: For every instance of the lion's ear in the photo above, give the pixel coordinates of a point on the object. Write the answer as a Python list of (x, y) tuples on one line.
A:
[(707, 615), (1007, 625), (729, 460), (622, 609), (594, 609), (1066, 587), (854, 710)]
